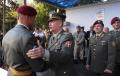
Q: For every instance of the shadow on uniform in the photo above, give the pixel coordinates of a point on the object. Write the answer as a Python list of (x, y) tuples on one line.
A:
[(81, 70), (1, 58)]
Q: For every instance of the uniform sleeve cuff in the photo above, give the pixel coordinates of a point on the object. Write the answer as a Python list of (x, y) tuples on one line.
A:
[(46, 55)]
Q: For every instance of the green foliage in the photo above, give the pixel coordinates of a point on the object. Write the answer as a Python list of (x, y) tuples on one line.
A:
[(42, 10), (10, 16), (42, 14), (1, 14)]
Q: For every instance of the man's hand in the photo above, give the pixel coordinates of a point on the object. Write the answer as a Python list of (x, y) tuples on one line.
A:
[(107, 71), (87, 67), (78, 43), (36, 53)]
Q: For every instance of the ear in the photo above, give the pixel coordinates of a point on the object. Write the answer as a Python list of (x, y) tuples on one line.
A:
[(61, 23)]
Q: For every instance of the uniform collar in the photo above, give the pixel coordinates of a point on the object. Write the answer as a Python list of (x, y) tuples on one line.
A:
[(23, 25), (116, 29), (55, 35), (99, 34)]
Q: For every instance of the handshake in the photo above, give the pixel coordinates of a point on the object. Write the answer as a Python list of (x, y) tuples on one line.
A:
[(36, 52)]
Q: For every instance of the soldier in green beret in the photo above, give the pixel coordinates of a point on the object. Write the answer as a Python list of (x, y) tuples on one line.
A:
[(59, 53)]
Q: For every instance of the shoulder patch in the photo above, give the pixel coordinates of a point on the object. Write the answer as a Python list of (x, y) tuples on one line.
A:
[(68, 44), (113, 44)]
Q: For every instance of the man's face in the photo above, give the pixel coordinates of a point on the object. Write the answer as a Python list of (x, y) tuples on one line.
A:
[(78, 29), (55, 25), (98, 28), (91, 28), (116, 25), (106, 30)]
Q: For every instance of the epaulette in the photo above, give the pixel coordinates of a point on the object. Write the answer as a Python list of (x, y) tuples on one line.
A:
[(67, 33)]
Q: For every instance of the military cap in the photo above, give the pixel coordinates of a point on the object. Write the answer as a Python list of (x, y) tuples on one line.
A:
[(98, 22), (56, 16), (26, 10), (115, 19)]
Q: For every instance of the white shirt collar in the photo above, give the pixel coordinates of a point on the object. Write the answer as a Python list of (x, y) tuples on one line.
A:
[(55, 35), (99, 34)]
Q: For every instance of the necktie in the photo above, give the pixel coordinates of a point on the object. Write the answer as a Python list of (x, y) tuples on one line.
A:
[(97, 37), (53, 40)]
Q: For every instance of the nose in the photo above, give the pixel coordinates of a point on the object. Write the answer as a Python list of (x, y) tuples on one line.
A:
[(49, 24)]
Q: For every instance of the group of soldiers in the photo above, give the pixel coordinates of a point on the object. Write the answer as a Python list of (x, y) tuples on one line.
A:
[(103, 58), (25, 57)]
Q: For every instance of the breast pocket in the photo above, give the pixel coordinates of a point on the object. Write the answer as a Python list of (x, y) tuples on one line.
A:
[(103, 43), (93, 43)]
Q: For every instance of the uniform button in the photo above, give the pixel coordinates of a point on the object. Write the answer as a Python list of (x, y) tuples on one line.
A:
[(94, 49), (64, 72)]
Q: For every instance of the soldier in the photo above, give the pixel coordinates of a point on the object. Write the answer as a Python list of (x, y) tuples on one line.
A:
[(106, 30), (115, 22), (18, 41), (79, 38), (66, 29), (101, 52), (89, 33), (59, 53)]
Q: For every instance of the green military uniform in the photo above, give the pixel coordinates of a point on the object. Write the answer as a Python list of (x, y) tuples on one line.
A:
[(61, 54), (16, 44), (102, 53), (60, 48), (116, 36), (18, 41), (79, 48)]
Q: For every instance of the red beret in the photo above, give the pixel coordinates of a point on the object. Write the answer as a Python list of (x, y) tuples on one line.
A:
[(26, 10), (115, 19)]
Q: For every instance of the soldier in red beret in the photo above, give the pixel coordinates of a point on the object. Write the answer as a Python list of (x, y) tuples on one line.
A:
[(18, 41), (115, 22), (115, 19), (26, 15), (101, 53)]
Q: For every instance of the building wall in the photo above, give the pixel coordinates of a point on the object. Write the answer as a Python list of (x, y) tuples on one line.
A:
[(86, 15)]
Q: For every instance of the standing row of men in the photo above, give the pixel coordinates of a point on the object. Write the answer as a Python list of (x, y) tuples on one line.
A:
[(25, 57), (104, 54)]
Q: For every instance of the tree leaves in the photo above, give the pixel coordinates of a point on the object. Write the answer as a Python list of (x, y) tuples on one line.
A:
[(43, 13)]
